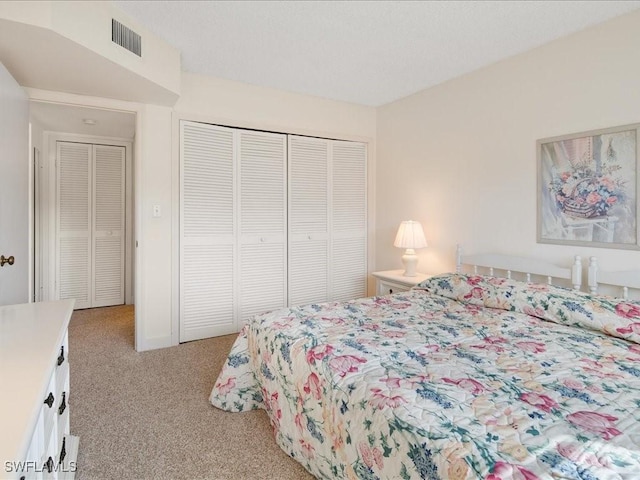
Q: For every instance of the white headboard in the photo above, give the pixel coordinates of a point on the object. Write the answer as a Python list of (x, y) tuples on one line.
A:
[(507, 266), (624, 283)]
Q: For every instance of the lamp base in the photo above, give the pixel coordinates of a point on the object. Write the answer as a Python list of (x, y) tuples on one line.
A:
[(410, 262)]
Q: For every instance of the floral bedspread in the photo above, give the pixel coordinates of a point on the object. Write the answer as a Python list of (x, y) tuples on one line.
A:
[(464, 377)]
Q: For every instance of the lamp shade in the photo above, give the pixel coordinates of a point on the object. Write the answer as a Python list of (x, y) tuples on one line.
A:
[(410, 235)]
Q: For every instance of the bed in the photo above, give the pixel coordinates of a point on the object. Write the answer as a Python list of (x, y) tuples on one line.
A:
[(466, 376), (621, 283)]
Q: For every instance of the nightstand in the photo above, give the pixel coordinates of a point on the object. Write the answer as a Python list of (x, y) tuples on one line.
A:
[(392, 281)]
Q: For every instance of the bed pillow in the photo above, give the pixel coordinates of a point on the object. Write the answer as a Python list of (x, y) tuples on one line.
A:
[(613, 316)]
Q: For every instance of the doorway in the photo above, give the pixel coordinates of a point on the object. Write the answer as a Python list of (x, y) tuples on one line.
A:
[(83, 162)]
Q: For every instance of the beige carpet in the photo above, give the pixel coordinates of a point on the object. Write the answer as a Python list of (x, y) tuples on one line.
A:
[(147, 416)]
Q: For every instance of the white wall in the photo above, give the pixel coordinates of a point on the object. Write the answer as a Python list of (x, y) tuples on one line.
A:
[(154, 273), (250, 106), (461, 157)]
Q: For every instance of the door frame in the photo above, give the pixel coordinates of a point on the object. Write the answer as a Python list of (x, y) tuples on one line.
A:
[(47, 209), (36, 259)]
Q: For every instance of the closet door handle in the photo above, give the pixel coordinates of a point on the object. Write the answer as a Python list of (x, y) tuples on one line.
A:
[(63, 405), (61, 356), (49, 400)]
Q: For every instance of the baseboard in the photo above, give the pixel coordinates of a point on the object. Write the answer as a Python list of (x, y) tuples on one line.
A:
[(145, 344)]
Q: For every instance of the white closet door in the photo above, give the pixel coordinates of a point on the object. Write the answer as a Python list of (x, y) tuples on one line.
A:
[(108, 225), (263, 223), (349, 220), (309, 209), (73, 222), (207, 231)]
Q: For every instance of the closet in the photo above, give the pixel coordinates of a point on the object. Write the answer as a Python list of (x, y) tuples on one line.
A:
[(233, 227), (90, 202), (266, 220), (327, 225)]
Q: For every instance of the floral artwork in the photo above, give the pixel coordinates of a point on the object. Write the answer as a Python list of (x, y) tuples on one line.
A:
[(588, 189), (464, 377)]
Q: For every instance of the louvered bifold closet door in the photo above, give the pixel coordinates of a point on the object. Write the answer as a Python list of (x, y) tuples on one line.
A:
[(73, 222), (348, 220), (207, 250), (308, 220), (108, 225), (263, 223)]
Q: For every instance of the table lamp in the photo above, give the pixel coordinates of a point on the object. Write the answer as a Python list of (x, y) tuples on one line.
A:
[(410, 236)]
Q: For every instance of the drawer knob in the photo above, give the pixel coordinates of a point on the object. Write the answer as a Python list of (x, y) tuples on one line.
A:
[(49, 465), (63, 404), (63, 451), (49, 400), (61, 356)]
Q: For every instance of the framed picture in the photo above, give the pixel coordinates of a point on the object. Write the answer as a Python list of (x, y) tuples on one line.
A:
[(588, 188)]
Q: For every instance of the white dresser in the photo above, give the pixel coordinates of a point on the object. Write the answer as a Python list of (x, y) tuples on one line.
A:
[(35, 442)]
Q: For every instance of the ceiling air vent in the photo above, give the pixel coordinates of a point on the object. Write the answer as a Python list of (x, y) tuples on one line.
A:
[(125, 37)]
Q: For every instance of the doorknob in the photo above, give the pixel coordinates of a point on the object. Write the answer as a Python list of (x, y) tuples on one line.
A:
[(4, 260)]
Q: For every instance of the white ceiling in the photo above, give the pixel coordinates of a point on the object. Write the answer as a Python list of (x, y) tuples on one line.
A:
[(69, 119), (365, 52)]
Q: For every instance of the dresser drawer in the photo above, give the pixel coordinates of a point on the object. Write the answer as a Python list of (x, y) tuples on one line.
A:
[(49, 410), (63, 425), (36, 452), (387, 288), (62, 381), (49, 459), (62, 412), (63, 352)]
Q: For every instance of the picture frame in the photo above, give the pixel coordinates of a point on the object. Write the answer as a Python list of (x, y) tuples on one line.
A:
[(588, 187)]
